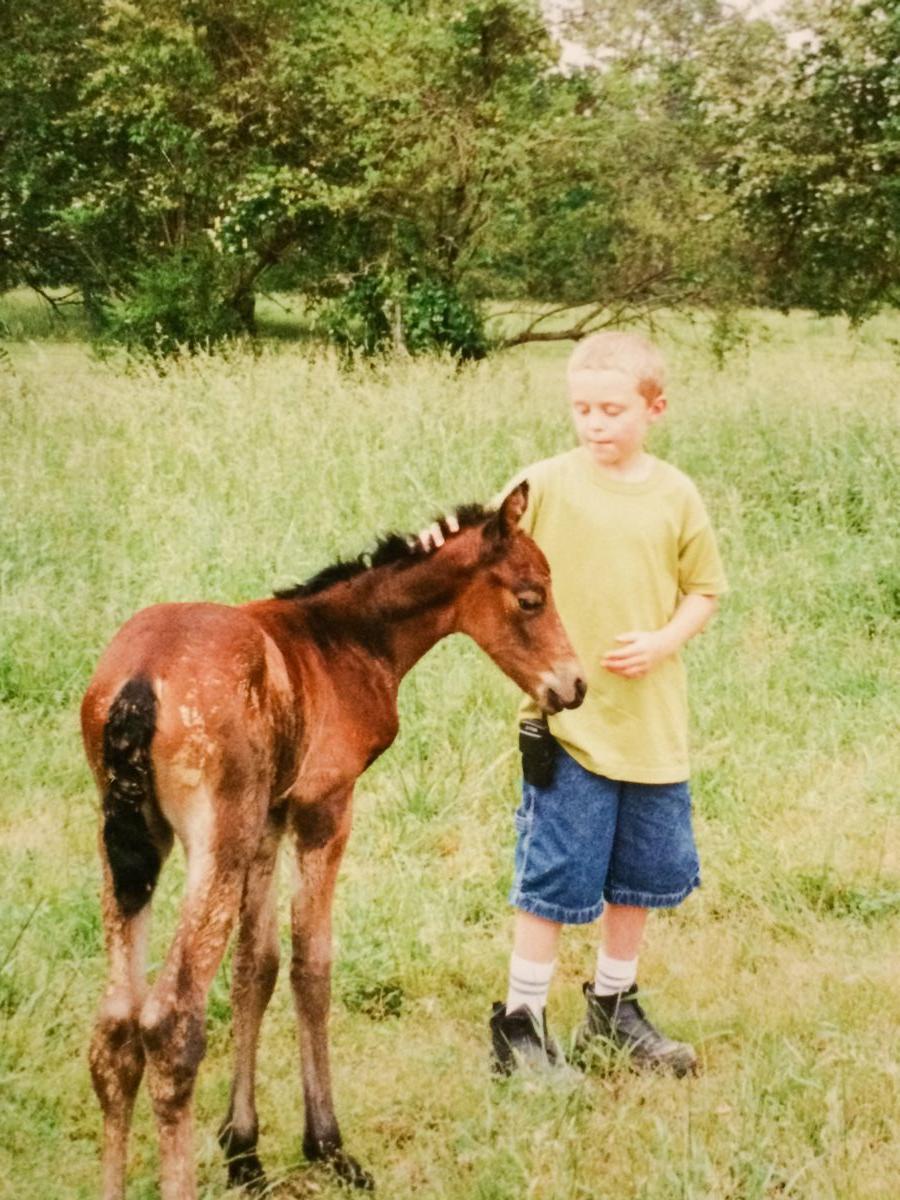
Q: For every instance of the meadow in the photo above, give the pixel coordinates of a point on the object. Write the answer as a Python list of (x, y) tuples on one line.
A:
[(225, 477)]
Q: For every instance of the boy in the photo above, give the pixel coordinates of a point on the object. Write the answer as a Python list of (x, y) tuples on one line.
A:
[(636, 574)]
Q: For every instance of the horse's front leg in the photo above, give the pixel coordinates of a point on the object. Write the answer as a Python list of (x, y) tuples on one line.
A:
[(320, 833)]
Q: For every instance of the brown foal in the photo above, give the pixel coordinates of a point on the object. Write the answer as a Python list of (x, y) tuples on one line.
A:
[(225, 726)]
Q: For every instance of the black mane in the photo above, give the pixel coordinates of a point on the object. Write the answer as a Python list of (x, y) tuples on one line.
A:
[(390, 549)]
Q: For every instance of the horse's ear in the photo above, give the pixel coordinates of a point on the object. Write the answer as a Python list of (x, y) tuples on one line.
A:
[(512, 509)]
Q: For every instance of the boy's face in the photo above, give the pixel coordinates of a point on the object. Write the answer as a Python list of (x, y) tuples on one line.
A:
[(611, 416)]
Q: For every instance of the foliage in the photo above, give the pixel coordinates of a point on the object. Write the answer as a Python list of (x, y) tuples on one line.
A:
[(380, 311), (46, 58), (816, 171), (400, 162), (174, 305), (339, 140), (361, 318), (436, 315)]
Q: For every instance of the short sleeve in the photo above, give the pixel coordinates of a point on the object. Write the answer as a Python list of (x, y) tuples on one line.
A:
[(700, 569)]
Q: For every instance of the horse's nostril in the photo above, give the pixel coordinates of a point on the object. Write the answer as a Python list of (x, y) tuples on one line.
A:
[(580, 690)]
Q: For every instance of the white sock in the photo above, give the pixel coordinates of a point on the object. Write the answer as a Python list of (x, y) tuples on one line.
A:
[(613, 975), (529, 983)]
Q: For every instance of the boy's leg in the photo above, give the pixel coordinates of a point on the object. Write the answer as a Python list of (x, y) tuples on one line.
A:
[(653, 865), (519, 1027), (535, 937), (565, 834), (622, 928), (531, 964)]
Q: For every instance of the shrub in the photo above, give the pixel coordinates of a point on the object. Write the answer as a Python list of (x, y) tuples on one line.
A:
[(418, 315), (183, 302)]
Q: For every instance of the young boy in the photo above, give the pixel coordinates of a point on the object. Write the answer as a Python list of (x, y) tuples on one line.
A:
[(636, 574)]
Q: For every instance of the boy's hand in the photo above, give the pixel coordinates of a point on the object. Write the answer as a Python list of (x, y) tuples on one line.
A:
[(432, 536), (638, 652)]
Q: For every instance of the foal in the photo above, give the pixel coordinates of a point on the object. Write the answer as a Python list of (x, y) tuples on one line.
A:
[(225, 726)]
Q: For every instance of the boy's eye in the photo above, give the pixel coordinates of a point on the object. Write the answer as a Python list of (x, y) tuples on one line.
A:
[(530, 603)]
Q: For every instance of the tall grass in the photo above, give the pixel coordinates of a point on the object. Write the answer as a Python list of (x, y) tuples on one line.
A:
[(225, 477)]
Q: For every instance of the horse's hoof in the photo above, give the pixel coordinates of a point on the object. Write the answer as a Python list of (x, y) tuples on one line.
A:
[(344, 1165), (244, 1168), (349, 1172), (247, 1173)]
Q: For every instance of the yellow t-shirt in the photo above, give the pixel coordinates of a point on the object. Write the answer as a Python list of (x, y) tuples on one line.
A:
[(622, 555)]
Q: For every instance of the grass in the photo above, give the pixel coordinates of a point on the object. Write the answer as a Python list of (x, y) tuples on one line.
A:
[(226, 477)]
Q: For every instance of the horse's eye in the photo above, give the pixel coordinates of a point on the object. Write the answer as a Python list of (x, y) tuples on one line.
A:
[(530, 603)]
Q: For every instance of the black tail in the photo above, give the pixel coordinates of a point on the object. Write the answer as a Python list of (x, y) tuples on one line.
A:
[(133, 855)]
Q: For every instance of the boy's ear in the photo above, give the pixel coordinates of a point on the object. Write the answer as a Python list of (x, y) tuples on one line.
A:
[(657, 407), (512, 509)]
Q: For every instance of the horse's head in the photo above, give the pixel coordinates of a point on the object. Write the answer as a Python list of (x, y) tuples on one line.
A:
[(508, 609)]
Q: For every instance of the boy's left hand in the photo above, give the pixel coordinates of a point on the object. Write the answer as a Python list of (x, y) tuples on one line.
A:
[(638, 652)]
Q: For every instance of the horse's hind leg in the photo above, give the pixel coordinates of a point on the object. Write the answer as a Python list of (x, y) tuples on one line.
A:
[(134, 841), (254, 971), (321, 834), (117, 1051), (173, 1016)]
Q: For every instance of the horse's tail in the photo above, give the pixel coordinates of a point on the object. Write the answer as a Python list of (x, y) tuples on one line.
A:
[(133, 855)]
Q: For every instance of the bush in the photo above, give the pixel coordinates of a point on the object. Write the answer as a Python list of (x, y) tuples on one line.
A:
[(418, 315), (436, 317), (182, 302)]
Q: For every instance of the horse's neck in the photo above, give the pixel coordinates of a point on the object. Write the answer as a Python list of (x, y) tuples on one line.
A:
[(398, 615)]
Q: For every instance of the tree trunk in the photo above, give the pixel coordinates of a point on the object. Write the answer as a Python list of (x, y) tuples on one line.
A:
[(243, 305)]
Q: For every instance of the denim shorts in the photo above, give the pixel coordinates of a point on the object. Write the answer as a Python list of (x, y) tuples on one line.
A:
[(586, 839)]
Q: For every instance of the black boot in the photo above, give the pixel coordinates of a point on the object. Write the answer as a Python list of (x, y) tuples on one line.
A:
[(519, 1039), (619, 1022)]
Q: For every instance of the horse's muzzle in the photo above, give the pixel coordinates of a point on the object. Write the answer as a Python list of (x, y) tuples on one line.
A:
[(563, 689)]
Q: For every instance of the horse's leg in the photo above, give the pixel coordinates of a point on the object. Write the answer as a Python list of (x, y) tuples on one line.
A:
[(117, 1052), (321, 833), (254, 971), (173, 1015)]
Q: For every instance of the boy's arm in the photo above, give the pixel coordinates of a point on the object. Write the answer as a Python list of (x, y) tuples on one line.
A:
[(640, 651)]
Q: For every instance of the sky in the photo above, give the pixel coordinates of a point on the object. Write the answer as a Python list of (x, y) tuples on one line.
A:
[(575, 55)]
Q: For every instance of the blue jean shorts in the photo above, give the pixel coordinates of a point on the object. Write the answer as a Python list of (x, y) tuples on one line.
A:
[(586, 839)]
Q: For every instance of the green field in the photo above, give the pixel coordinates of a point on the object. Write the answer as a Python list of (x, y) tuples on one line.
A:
[(226, 477)]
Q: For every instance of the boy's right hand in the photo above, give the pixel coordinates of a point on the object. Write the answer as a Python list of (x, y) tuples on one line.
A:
[(638, 652)]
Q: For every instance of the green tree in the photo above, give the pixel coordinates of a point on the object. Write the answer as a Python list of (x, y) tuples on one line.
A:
[(816, 170), (206, 145), (399, 161), (624, 210), (45, 58)]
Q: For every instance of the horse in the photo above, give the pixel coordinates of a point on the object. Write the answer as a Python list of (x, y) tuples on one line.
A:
[(226, 726)]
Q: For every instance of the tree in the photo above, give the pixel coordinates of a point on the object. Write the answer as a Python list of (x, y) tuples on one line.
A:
[(45, 57), (399, 161), (624, 210), (817, 166), (205, 145)]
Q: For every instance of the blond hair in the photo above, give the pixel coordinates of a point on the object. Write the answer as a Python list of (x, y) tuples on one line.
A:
[(629, 353)]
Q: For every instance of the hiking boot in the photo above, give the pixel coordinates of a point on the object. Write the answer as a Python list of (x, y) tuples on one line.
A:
[(519, 1039), (619, 1022)]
